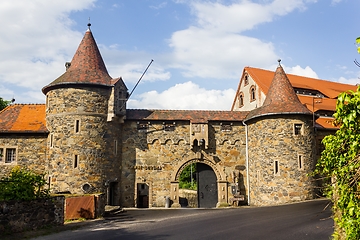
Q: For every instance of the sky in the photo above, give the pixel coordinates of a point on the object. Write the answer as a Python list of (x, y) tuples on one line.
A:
[(199, 47)]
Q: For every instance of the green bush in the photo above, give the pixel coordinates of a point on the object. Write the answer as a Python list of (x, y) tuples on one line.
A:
[(187, 178), (23, 184), (340, 166)]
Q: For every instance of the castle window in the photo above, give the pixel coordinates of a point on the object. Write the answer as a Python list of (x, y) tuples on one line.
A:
[(10, 155), (115, 147), (169, 127), (300, 161), (241, 100), (298, 129), (77, 125), (276, 167), (142, 127), (1, 154), (226, 127), (76, 161), (246, 80), (51, 140), (47, 101), (252, 94)]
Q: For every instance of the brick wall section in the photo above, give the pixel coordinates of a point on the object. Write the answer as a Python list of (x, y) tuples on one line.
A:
[(273, 140), (94, 143), (155, 157), (18, 216), (31, 151)]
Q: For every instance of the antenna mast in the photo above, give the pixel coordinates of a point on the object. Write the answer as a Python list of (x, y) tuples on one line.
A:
[(140, 78), (137, 83)]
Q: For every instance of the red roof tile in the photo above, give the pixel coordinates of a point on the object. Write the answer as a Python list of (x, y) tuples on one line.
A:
[(194, 116), (23, 118), (330, 89), (87, 66), (280, 99)]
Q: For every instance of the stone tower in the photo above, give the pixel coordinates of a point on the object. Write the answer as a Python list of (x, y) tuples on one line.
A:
[(280, 146), (84, 111)]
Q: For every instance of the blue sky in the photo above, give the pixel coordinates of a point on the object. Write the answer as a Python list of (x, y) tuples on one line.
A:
[(199, 47)]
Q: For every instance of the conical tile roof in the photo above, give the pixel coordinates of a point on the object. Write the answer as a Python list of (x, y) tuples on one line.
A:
[(280, 99), (86, 67)]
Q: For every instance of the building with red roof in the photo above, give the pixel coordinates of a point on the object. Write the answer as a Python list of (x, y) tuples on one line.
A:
[(86, 141)]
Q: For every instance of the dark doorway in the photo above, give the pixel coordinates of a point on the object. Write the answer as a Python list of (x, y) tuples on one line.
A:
[(142, 195), (207, 186), (112, 193)]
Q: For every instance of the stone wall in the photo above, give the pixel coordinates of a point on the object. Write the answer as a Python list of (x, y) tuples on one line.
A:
[(188, 198), (155, 157), (84, 148), (276, 175), (31, 152), (16, 216)]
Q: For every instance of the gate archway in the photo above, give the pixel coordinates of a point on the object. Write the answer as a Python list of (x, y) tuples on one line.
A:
[(212, 188)]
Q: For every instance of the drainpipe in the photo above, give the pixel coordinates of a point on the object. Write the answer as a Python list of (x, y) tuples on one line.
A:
[(247, 162)]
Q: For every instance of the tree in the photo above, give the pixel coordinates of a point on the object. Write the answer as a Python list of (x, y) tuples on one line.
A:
[(340, 166), (357, 43), (187, 177), (23, 184), (3, 103)]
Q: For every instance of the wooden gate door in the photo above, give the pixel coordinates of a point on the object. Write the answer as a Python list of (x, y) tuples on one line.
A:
[(206, 186)]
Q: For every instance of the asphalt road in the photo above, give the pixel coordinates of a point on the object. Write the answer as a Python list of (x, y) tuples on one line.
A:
[(307, 220)]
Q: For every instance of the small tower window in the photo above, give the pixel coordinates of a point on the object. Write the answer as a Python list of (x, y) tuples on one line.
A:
[(276, 167), (77, 125), (115, 147), (300, 161), (298, 129), (51, 140), (47, 101), (76, 161), (252, 94)]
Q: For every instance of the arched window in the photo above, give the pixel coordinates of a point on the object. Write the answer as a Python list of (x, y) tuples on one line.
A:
[(252, 94), (246, 80), (241, 100)]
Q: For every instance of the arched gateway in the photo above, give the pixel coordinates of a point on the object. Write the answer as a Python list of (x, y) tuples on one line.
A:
[(211, 188)]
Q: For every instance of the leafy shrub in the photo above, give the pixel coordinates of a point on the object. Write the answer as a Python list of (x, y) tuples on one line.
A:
[(187, 178), (340, 166), (23, 184)]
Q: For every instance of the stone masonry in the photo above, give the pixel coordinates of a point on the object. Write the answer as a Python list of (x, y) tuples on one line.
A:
[(82, 149), (155, 157), (272, 142)]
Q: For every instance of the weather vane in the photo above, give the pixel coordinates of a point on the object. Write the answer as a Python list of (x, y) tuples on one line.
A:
[(89, 24)]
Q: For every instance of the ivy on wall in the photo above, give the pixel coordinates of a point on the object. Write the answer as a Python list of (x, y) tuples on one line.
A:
[(340, 166)]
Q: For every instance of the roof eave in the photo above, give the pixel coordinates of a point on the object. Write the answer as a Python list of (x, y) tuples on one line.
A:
[(282, 113), (50, 87)]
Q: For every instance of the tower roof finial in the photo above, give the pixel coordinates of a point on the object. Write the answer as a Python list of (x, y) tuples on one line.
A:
[(279, 60), (89, 24)]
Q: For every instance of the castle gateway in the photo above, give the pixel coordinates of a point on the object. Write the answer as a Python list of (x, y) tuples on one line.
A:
[(86, 140)]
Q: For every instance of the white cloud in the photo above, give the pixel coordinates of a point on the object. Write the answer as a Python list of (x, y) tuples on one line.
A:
[(185, 96), (35, 41), (334, 2), (216, 46), (353, 81), (159, 6), (306, 72), (202, 53)]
